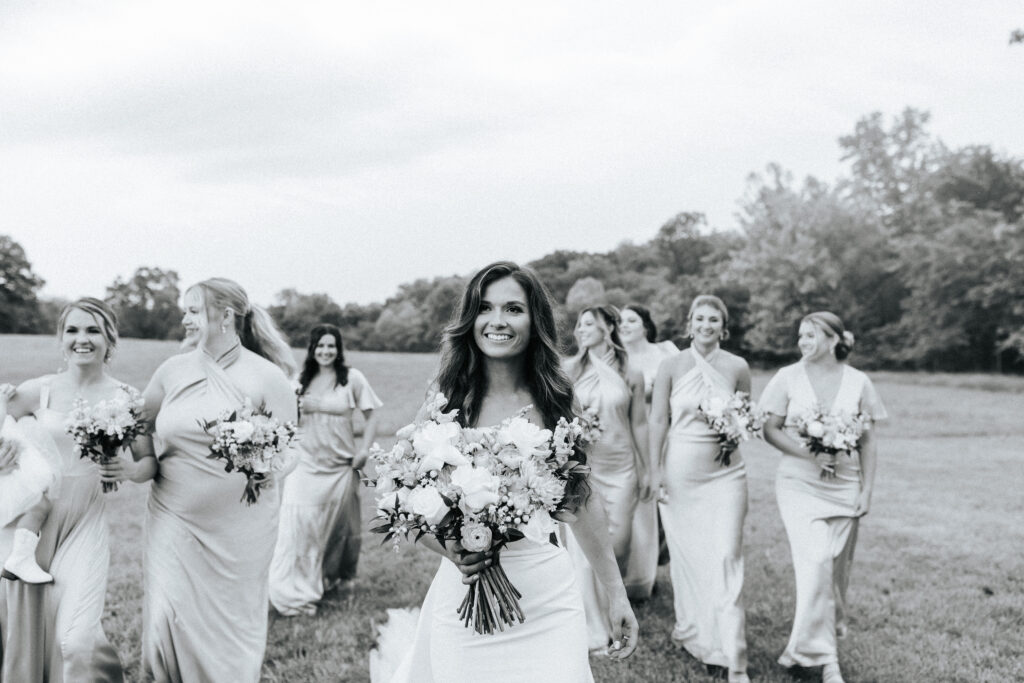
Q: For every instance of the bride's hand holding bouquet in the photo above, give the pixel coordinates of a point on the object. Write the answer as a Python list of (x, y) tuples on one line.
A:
[(476, 490)]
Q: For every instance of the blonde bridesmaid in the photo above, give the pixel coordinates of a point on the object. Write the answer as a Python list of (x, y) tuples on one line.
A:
[(207, 553), (821, 516), (706, 501), (639, 334), (53, 632), (604, 382)]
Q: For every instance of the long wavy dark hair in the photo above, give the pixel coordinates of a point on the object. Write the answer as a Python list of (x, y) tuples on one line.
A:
[(462, 376), (644, 313), (310, 367)]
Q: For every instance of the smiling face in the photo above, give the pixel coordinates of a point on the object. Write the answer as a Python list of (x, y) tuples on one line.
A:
[(196, 321), (502, 326), (706, 325), (326, 351), (82, 339), (631, 326), (589, 332), (813, 342)]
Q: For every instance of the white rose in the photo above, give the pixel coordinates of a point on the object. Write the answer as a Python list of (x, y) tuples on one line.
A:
[(539, 528), (815, 429), (386, 502), (526, 436), (243, 431), (435, 444), (479, 487), (426, 501)]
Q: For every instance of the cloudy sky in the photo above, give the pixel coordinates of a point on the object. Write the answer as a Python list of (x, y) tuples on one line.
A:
[(347, 147)]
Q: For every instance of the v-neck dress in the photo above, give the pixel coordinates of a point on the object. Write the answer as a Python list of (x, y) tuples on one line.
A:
[(319, 535), (817, 513)]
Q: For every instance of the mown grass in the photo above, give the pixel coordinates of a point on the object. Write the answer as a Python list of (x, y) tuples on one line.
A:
[(938, 586)]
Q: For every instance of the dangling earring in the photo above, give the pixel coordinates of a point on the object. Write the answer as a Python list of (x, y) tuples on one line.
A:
[(63, 366), (223, 326)]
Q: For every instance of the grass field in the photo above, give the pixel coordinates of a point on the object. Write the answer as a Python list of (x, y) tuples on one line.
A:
[(938, 587)]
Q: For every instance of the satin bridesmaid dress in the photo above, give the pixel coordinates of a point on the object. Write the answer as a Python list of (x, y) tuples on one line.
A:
[(818, 514), (703, 519)]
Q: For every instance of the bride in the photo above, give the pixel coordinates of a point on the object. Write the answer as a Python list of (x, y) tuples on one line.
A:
[(500, 355)]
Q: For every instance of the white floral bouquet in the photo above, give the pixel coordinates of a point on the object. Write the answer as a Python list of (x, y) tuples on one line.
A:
[(251, 441), (831, 434), (734, 418), (102, 429), (483, 488)]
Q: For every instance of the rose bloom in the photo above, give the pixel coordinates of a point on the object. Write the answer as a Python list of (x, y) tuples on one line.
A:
[(479, 487), (242, 430), (476, 538), (815, 429), (527, 437), (427, 502)]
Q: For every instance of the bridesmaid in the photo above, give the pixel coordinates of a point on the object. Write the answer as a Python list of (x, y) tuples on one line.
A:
[(821, 517), (319, 535), (638, 333), (53, 632), (604, 382), (706, 501), (207, 554)]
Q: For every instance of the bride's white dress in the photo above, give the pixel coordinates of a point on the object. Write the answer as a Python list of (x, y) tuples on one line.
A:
[(549, 646)]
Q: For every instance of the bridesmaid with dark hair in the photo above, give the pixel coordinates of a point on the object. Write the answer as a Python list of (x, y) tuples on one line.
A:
[(821, 516), (606, 383), (319, 534), (639, 336)]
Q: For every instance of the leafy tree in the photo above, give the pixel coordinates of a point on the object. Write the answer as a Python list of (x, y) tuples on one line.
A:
[(296, 314), (890, 167), (147, 304), (964, 309), (19, 286), (587, 291)]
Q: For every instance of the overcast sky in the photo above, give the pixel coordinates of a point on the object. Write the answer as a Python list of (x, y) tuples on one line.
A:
[(347, 147)]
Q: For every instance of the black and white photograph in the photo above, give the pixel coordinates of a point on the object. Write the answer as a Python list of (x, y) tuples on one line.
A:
[(542, 342)]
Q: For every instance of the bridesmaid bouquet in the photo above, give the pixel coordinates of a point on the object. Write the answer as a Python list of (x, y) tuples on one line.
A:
[(251, 441), (102, 429), (483, 488), (734, 418), (828, 435)]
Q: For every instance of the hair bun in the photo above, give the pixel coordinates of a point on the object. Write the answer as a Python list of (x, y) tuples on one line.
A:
[(848, 339)]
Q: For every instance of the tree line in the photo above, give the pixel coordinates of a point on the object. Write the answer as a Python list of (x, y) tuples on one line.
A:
[(919, 247)]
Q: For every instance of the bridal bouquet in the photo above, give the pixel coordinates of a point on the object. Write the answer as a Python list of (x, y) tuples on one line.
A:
[(251, 441), (734, 418), (483, 488), (102, 429), (828, 435)]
